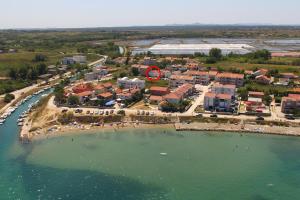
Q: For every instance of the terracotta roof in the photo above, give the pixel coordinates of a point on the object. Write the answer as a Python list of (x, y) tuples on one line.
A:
[(296, 90), (107, 85), (248, 72), (106, 95), (210, 95), (140, 66), (197, 73), (161, 89), (213, 73), (224, 96), (230, 75), (218, 85), (218, 96), (252, 93), (155, 98), (172, 96), (81, 88), (182, 77), (84, 94), (98, 87)]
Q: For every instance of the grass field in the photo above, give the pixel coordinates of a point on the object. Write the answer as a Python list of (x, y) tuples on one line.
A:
[(237, 64), (22, 58)]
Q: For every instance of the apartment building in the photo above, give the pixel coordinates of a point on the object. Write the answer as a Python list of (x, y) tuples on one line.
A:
[(290, 103), (127, 83), (217, 102), (224, 89), (179, 80), (230, 79), (201, 77), (180, 93)]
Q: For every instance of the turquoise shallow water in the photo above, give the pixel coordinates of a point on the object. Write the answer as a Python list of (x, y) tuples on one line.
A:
[(128, 165)]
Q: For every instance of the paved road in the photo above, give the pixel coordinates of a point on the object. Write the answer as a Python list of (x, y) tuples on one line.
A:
[(199, 100)]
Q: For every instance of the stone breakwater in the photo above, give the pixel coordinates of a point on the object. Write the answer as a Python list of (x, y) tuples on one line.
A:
[(275, 130)]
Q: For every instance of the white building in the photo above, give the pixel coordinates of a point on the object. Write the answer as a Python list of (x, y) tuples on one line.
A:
[(79, 59), (127, 83), (96, 74)]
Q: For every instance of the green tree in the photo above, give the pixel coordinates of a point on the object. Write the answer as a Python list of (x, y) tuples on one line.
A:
[(135, 71), (243, 93), (13, 74), (23, 72), (267, 99), (8, 98), (261, 54), (215, 53), (73, 100), (41, 69), (59, 94), (40, 58)]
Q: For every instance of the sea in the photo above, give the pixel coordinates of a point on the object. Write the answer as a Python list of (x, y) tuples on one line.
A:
[(148, 164)]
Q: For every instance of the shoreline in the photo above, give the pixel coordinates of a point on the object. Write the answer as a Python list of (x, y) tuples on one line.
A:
[(67, 131), (178, 127)]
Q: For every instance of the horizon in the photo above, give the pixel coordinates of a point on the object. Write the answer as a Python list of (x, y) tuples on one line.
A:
[(249, 25), (133, 13)]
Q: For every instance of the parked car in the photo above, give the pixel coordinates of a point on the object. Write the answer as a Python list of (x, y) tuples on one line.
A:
[(290, 117), (260, 119), (214, 116)]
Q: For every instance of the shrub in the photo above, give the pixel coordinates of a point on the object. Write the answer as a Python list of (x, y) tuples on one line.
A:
[(8, 98)]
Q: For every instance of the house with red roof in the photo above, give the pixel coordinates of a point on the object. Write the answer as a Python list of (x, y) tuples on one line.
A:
[(262, 79), (85, 96), (230, 79), (159, 91), (201, 77), (82, 88), (155, 99), (107, 96)]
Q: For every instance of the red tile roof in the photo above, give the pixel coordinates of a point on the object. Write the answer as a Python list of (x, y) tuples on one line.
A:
[(155, 98), (106, 95), (197, 73), (84, 94), (224, 86), (82, 88), (230, 75), (218, 96), (252, 93), (182, 77), (160, 89)]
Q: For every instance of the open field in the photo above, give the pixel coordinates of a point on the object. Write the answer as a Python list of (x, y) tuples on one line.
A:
[(22, 58)]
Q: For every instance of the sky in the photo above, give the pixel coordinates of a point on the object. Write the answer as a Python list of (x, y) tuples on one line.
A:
[(112, 13)]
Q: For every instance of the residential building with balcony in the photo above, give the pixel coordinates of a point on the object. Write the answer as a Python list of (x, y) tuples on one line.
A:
[(230, 79)]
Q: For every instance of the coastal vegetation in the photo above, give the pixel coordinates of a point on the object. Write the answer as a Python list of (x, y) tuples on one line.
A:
[(8, 98)]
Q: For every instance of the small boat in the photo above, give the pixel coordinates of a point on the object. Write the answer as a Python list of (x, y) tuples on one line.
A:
[(20, 124), (163, 154)]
